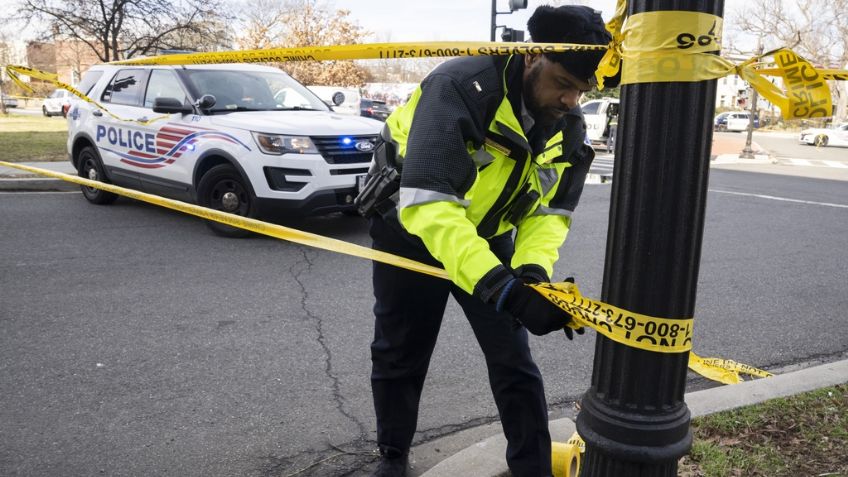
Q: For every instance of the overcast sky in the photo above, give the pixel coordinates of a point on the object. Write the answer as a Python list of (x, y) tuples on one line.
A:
[(443, 20), (432, 20)]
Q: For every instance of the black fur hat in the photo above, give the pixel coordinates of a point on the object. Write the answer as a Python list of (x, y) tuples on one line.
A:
[(573, 24)]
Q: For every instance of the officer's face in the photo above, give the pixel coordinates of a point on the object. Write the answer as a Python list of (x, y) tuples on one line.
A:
[(549, 90)]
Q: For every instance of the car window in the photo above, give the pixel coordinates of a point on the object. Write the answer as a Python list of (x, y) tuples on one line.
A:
[(591, 107), (125, 87), (163, 84), (251, 90), (89, 79), (56, 93)]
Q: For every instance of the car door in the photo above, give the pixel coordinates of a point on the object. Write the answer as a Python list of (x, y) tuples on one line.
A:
[(174, 137), (595, 115), (123, 143)]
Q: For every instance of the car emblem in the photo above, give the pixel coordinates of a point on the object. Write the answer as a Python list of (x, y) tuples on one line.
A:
[(364, 146)]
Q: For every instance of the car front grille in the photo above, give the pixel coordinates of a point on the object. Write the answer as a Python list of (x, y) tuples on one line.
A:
[(344, 150)]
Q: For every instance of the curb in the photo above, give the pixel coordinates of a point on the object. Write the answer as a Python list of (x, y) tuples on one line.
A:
[(486, 458), (35, 184), (16, 180), (735, 159)]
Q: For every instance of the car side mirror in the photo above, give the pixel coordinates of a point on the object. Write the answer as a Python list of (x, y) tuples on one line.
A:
[(338, 98), (206, 101), (170, 106)]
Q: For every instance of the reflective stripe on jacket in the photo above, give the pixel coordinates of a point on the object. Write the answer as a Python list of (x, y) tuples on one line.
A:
[(466, 161)]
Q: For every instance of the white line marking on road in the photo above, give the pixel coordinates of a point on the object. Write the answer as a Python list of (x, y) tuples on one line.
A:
[(784, 199), (838, 164), (800, 162)]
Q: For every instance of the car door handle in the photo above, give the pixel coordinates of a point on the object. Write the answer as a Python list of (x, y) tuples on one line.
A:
[(97, 113), (142, 119)]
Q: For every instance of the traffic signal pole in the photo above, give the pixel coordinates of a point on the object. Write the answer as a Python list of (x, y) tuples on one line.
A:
[(633, 417)]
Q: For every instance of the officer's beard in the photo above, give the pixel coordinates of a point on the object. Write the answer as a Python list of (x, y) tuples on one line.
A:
[(544, 117)]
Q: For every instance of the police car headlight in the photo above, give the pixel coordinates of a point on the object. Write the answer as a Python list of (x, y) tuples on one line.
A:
[(277, 144)]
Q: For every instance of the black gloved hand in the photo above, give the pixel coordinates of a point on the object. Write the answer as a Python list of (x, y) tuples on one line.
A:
[(529, 307), (531, 273), (569, 332)]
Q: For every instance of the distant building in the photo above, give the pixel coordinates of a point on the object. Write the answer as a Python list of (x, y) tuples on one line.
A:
[(69, 59)]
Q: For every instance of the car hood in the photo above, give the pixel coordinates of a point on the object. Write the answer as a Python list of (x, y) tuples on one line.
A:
[(302, 123)]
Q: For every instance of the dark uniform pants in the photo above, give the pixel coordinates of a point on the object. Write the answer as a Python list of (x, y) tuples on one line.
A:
[(409, 308)]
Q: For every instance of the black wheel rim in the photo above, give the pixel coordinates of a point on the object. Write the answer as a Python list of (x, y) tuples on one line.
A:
[(89, 167), (228, 195)]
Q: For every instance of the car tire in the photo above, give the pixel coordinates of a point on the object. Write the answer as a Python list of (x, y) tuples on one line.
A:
[(223, 188), (44, 111), (91, 168), (820, 141)]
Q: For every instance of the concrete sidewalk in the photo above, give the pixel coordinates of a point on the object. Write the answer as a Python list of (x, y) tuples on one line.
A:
[(22, 181), (485, 458)]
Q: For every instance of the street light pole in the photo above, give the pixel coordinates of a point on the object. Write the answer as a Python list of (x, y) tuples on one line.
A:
[(494, 19), (747, 152), (633, 417)]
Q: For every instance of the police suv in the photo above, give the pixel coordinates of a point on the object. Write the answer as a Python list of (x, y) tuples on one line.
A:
[(240, 138)]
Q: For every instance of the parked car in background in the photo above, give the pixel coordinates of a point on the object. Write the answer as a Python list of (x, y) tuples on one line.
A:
[(821, 137), (720, 121), (54, 105), (374, 108), (598, 113), (244, 139), (10, 102), (738, 121)]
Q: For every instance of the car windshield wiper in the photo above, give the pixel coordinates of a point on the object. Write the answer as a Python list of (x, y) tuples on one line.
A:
[(297, 108)]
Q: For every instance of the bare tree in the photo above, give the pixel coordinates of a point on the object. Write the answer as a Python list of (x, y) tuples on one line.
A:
[(120, 29), (815, 29), (262, 24), (311, 23)]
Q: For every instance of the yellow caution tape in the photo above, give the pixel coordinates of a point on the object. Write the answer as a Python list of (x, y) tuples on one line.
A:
[(645, 332), (668, 46), (567, 457), (657, 46), (264, 228), (366, 51), (52, 78), (662, 335), (723, 370)]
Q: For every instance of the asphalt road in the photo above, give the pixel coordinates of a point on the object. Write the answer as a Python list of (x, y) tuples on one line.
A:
[(135, 342), (786, 146)]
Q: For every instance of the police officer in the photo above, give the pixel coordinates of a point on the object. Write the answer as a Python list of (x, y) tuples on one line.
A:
[(492, 158)]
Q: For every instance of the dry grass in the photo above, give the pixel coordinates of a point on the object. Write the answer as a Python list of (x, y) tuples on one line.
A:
[(804, 435)]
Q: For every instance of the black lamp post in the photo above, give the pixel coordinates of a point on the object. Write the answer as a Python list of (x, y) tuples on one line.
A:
[(633, 417)]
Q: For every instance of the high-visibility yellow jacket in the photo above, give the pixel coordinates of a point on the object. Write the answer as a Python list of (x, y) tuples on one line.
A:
[(465, 162)]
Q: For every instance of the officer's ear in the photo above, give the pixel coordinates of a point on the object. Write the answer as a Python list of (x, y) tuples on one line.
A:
[(530, 59)]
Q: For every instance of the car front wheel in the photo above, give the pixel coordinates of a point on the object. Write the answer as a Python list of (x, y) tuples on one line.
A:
[(821, 140), (90, 168), (44, 111), (223, 188)]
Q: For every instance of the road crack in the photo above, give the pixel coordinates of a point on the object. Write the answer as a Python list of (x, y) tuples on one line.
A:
[(338, 398)]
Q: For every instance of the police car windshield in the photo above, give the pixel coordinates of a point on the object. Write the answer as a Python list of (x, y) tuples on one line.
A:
[(252, 91)]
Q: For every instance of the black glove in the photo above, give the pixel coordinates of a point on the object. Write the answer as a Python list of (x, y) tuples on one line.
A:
[(532, 273), (569, 332), (529, 307)]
